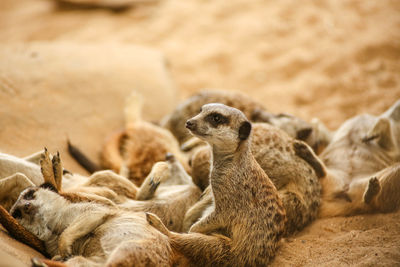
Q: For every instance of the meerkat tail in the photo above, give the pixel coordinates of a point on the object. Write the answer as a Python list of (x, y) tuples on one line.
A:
[(112, 152), (20, 233), (133, 108), (82, 159)]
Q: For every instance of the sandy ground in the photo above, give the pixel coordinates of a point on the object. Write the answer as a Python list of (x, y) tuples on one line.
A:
[(66, 71)]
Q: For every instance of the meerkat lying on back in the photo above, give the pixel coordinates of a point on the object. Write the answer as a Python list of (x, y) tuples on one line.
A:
[(315, 133), (87, 233), (248, 219), (167, 191), (290, 164), (363, 163)]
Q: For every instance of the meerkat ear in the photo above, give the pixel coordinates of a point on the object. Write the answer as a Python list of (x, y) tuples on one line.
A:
[(244, 130), (382, 133), (304, 133), (394, 111)]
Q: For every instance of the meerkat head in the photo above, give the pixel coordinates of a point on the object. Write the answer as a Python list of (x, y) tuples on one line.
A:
[(32, 206), (221, 126)]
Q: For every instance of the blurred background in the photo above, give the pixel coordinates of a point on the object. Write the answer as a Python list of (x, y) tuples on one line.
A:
[(67, 67), (328, 59)]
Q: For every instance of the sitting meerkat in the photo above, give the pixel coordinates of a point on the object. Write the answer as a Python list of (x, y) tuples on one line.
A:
[(248, 218), (290, 164), (363, 166), (133, 151), (315, 133), (87, 233)]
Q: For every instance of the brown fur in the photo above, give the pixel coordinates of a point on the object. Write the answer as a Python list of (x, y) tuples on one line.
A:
[(287, 164), (315, 133), (175, 122), (139, 146), (248, 219)]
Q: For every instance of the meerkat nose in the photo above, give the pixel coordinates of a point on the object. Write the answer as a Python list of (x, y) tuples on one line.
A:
[(16, 214), (191, 125)]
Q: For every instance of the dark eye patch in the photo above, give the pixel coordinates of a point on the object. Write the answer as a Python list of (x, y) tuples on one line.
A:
[(216, 119), (30, 194)]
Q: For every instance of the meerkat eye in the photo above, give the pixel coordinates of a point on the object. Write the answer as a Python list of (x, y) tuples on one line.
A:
[(29, 195), (217, 118)]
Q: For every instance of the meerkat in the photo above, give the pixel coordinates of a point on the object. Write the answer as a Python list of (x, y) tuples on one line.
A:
[(248, 217), (168, 191), (363, 166), (107, 237), (315, 133), (133, 151), (290, 164)]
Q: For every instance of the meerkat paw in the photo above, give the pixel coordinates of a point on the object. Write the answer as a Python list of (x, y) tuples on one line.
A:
[(373, 188), (156, 222), (46, 167), (65, 248), (51, 169), (56, 258), (36, 262), (303, 151)]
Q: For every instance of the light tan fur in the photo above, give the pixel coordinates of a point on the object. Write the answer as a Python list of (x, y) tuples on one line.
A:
[(363, 162), (290, 164), (248, 220), (87, 233), (168, 190)]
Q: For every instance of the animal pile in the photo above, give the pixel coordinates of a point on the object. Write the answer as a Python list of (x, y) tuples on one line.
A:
[(219, 182)]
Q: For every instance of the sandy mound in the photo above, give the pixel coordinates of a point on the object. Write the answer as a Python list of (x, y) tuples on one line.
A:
[(49, 91), (328, 59)]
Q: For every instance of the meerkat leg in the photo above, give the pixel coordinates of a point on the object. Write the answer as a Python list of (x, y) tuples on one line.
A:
[(141, 253), (178, 175), (201, 249), (388, 198), (197, 210), (303, 151), (372, 190), (35, 157), (117, 183), (11, 187), (207, 225), (159, 173), (81, 226)]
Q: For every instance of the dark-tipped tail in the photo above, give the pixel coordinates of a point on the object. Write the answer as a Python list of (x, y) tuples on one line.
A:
[(82, 159)]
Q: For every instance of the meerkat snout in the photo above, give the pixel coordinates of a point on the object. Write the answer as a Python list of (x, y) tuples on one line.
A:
[(191, 125)]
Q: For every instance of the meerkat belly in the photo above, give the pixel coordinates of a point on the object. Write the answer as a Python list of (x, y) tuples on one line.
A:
[(127, 227)]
